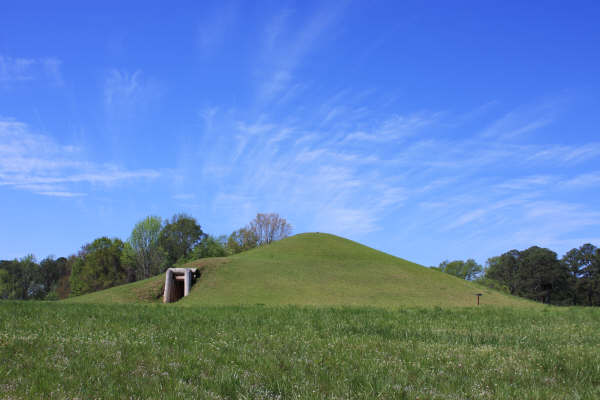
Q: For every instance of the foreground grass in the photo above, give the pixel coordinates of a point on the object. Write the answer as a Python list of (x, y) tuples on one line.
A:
[(58, 350)]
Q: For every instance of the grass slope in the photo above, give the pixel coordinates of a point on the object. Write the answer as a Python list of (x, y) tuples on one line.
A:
[(145, 291), (93, 351), (318, 269)]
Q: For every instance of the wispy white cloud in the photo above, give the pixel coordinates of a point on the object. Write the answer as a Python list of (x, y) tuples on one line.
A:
[(550, 221), (28, 69), (284, 50), (566, 153), (317, 169), (52, 69), (125, 89), (288, 167), (588, 179), (521, 121), (556, 182), (37, 163), (207, 114), (469, 216), (276, 27), (395, 128), (16, 69), (527, 182), (129, 98), (508, 128), (472, 154), (61, 194), (435, 184), (216, 25)]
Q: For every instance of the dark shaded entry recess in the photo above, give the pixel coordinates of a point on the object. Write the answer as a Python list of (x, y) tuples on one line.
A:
[(178, 282)]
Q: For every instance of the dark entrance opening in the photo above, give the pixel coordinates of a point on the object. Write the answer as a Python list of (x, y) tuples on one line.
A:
[(177, 289)]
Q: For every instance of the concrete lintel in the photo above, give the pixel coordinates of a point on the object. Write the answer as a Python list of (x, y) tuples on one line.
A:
[(183, 270)]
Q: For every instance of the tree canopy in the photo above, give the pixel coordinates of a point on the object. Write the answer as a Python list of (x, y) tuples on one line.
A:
[(468, 270), (178, 237), (145, 251), (98, 266), (210, 246), (583, 266), (242, 239), (534, 273)]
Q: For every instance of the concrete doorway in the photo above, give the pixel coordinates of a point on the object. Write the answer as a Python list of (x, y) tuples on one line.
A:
[(178, 283)]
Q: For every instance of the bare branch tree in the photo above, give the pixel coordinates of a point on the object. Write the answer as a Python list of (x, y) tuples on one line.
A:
[(263, 229), (270, 227)]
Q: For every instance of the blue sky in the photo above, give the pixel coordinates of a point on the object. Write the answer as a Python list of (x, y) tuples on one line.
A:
[(430, 131)]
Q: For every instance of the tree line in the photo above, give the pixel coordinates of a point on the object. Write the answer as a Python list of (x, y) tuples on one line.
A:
[(153, 246), (538, 274)]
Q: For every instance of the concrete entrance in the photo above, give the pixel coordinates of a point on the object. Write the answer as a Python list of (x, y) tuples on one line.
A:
[(178, 282)]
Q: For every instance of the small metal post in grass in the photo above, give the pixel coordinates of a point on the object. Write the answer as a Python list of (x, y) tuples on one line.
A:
[(478, 295)]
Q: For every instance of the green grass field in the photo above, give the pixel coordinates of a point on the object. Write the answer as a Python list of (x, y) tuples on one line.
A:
[(315, 269), (59, 350)]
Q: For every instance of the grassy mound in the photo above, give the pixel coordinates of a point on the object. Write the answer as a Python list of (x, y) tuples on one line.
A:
[(315, 269)]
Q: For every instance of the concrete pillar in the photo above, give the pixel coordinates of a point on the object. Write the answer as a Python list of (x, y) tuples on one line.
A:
[(168, 286), (187, 283)]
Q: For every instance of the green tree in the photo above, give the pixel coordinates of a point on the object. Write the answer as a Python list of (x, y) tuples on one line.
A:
[(503, 269), (535, 273), (210, 246), (10, 282), (5, 278), (98, 267), (62, 289), (492, 284), (150, 258), (179, 236), (129, 261), (30, 277), (468, 270), (593, 274), (21, 279), (51, 271), (542, 276), (580, 266), (241, 240)]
